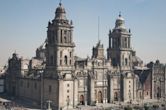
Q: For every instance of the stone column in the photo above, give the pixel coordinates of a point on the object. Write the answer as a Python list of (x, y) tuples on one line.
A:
[(124, 90), (75, 87), (111, 90), (92, 91), (134, 88)]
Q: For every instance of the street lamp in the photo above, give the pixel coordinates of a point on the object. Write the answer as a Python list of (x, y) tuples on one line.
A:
[(49, 105)]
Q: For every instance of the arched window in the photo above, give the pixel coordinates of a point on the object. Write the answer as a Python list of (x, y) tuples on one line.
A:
[(65, 39), (126, 61), (70, 62), (65, 60), (61, 39), (61, 36)]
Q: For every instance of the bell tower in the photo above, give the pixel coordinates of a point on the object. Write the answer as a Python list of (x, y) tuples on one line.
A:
[(60, 46), (98, 51), (59, 73), (119, 50)]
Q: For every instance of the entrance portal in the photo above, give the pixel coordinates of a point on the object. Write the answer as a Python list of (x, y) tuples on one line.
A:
[(82, 100), (100, 97), (115, 96)]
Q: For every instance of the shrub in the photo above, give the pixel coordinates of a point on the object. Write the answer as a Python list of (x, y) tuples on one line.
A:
[(127, 108), (146, 107)]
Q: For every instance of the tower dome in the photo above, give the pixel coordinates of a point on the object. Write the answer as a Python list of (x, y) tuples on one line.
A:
[(120, 22), (60, 12)]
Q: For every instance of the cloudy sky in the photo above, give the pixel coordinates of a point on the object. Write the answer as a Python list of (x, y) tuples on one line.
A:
[(23, 25)]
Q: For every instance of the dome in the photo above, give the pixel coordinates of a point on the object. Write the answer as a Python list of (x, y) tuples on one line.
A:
[(60, 13), (60, 9), (120, 22)]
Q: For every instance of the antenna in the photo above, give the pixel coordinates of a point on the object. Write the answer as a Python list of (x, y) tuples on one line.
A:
[(98, 28)]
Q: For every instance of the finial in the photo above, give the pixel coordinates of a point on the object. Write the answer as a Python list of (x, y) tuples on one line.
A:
[(60, 2), (120, 14), (129, 31)]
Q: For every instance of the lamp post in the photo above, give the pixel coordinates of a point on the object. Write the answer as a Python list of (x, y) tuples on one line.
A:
[(49, 105)]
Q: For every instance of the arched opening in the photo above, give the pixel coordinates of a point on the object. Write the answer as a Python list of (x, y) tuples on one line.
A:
[(116, 96), (100, 97), (126, 61), (158, 92), (65, 39), (82, 100), (65, 60)]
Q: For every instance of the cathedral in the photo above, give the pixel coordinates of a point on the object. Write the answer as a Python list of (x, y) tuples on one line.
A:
[(55, 74)]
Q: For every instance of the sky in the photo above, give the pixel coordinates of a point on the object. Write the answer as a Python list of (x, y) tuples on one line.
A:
[(23, 25)]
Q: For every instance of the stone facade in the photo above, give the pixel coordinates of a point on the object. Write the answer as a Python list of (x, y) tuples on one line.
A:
[(56, 74)]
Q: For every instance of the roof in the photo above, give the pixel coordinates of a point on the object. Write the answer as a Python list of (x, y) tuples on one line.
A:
[(141, 68), (80, 59)]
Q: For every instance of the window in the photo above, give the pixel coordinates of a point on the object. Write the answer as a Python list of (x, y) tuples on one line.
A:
[(50, 89), (70, 62), (125, 42), (129, 86), (61, 37), (65, 39), (67, 91), (126, 61), (68, 85), (65, 61), (129, 81)]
